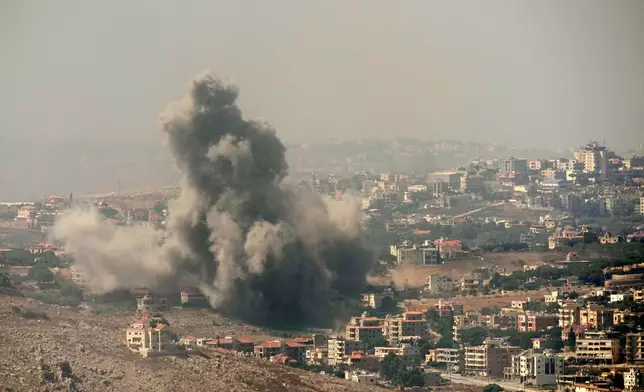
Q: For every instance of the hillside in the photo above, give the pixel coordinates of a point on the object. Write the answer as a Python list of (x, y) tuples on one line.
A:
[(93, 346)]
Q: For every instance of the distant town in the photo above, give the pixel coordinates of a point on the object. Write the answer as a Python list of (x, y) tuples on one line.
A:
[(507, 272)]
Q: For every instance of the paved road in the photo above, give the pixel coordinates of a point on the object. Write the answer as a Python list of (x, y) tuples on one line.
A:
[(478, 210), (508, 386)]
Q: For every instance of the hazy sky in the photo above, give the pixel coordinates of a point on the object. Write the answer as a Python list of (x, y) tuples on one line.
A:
[(532, 73)]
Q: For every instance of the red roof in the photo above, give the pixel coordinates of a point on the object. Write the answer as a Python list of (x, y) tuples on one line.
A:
[(269, 345), (294, 344)]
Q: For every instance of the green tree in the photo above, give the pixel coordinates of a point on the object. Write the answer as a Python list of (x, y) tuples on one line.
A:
[(571, 342), (108, 212), (159, 206), (41, 273), (492, 388), (473, 336)]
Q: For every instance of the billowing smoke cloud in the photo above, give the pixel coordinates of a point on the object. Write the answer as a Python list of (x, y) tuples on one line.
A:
[(259, 250)]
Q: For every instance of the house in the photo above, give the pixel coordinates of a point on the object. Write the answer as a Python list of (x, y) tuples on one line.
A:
[(361, 377), (151, 336), (362, 361), (436, 284), (292, 350), (231, 343), (317, 356), (151, 303), (192, 297), (450, 249)]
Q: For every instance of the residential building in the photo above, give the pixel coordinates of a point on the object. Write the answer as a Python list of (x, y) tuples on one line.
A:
[(633, 380), (230, 343), (374, 300), (192, 297), (437, 284), (151, 336), (365, 329), (514, 165), (595, 317), (361, 377), (569, 314), (594, 158), (359, 360), (450, 356), (411, 325), (488, 360), (317, 356), (536, 164), (448, 179), (536, 368), (634, 350), (468, 285), (292, 350), (598, 350), (536, 322), (403, 350), (553, 297), (449, 249), (416, 255), (638, 295), (619, 297), (339, 347), (151, 303)]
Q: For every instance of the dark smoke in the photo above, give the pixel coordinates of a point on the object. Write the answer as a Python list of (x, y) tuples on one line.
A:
[(259, 250)]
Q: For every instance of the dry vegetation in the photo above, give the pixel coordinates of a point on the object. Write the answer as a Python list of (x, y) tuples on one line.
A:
[(32, 349), (415, 276)]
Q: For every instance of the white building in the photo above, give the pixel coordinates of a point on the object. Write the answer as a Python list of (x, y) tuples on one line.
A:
[(537, 368), (361, 377), (632, 380)]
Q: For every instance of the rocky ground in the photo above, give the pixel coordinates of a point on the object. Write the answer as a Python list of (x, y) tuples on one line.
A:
[(36, 338)]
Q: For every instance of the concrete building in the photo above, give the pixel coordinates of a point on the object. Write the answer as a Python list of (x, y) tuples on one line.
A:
[(468, 285), (596, 317), (514, 165), (536, 322), (632, 380), (151, 303), (365, 329), (453, 357), (634, 350), (151, 336), (536, 368), (415, 255), (361, 377), (448, 179), (411, 325), (339, 347), (403, 350), (292, 350), (488, 359), (594, 158), (317, 356), (569, 314), (598, 350), (436, 284), (374, 300)]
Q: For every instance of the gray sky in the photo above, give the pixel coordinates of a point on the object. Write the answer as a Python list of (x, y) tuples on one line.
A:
[(533, 73)]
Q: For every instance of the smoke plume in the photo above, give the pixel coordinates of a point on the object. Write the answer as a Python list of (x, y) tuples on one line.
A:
[(258, 249)]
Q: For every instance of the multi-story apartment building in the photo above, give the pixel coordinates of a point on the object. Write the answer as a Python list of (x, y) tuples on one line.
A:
[(596, 317), (488, 360), (634, 351), (569, 314), (404, 350), (437, 284), (537, 368), (365, 329), (536, 322), (450, 356), (594, 158), (632, 380), (598, 349), (273, 348), (339, 347), (410, 325)]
